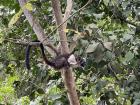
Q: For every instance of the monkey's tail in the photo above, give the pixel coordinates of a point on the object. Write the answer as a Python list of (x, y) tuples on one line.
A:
[(27, 57)]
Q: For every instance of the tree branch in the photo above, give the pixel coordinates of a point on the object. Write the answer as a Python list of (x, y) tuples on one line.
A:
[(67, 73), (82, 8), (39, 31), (67, 11), (67, 14), (33, 21)]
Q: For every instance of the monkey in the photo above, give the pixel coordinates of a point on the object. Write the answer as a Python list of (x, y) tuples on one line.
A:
[(58, 62)]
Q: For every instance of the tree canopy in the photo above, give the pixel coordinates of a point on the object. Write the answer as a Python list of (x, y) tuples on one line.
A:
[(104, 32)]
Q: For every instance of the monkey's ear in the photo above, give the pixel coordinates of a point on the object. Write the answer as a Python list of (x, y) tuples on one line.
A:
[(72, 60)]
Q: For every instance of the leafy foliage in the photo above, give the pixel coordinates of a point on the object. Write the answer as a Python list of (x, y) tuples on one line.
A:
[(106, 33)]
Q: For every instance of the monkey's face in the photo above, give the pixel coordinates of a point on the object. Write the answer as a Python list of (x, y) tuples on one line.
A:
[(76, 61), (81, 62)]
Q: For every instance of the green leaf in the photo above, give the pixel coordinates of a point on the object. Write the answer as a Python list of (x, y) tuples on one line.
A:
[(28, 6), (15, 18), (137, 95), (98, 16), (137, 101), (129, 56), (108, 45), (92, 47), (126, 37), (113, 37), (106, 2)]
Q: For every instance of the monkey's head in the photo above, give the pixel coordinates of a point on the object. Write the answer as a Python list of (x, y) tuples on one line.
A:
[(76, 61)]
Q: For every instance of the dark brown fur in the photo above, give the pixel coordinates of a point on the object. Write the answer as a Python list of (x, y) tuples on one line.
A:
[(58, 62)]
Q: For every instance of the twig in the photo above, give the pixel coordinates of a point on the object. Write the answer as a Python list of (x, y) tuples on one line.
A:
[(67, 11), (68, 19), (32, 24), (16, 41)]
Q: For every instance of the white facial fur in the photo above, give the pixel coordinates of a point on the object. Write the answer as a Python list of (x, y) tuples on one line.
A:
[(72, 60)]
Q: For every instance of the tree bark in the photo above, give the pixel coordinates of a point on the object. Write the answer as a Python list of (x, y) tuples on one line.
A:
[(66, 73), (39, 31)]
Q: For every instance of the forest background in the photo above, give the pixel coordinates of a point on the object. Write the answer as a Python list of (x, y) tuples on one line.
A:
[(105, 32)]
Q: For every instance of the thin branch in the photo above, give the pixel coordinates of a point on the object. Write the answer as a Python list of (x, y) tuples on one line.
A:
[(19, 41), (34, 23), (15, 41), (67, 11), (38, 29), (82, 8)]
